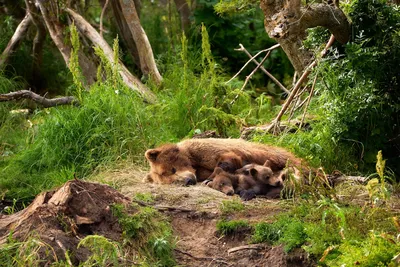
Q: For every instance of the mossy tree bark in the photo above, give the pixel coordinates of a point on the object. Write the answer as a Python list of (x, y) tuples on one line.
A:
[(286, 21)]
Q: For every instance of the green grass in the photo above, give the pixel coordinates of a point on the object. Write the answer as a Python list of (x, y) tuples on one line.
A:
[(231, 206), (225, 227), (148, 231), (355, 234)]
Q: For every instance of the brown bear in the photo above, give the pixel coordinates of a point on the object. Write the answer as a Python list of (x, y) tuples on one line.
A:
[(249, 181), (194, 160)]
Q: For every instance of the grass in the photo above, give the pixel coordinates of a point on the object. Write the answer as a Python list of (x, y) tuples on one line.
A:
[(148, 232), (231, 227), (231, 206)]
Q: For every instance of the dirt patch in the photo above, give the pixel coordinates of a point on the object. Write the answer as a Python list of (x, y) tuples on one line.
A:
[(61, 218), (198, 241)]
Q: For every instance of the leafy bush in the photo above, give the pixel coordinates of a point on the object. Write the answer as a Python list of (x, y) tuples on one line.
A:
[(361, 98)]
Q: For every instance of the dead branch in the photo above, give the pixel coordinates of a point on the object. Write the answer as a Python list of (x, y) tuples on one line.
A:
[(102, 16), (308, 100), (45, 102), (252, 246), (249, 76), (251, 59), (220, 260), (283, 88), (12, 45), (296, 88), (130, 80), (55, 31)]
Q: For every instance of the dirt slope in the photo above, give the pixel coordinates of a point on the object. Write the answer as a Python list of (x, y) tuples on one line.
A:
[(194, 212)]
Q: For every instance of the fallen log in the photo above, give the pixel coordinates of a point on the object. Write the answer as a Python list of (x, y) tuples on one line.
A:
[(45, 102)]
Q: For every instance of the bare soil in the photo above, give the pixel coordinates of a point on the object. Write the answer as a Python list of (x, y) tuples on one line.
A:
[(194, 212), (63, 217)]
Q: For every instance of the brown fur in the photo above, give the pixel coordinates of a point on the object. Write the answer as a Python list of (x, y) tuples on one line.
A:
[(195, 159), (249, 181)]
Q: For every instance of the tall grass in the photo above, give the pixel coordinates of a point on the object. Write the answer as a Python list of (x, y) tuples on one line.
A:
[(113, 123)]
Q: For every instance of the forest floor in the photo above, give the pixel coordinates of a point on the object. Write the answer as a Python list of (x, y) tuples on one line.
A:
[(194, 212)]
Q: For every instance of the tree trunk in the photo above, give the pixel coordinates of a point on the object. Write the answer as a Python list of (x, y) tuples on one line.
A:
[(146, 57), (12, 45), (38, 43), (125, 32), (56, 29), (287, 21), (184, 13), (130, 80)]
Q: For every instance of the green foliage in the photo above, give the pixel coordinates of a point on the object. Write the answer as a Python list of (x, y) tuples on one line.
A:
[(286, 230), (74, 63), (26, 253), (148, 232), (145, 197), (376, 250), (104, 252), (231, 206), (225, 227), (344, 234), (230, 23), (361, 98)]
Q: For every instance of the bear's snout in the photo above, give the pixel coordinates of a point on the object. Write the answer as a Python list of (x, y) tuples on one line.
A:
[(277, 183), (190, 181), (230, 192)]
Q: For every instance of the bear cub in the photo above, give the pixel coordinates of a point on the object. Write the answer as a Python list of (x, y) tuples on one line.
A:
[(249, 181)]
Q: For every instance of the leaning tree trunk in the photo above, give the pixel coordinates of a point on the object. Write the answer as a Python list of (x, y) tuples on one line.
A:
[(286, 21), (147, 63), (131, 81), (125, 32), (184, 14), (38, 43), (12, 45), (49, 11)]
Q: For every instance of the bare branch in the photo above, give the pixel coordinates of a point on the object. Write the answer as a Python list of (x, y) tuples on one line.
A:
[(45, 102), (102, 16), (256, 55), (283, 88), (302, 79), (250, 75), (308, 100)]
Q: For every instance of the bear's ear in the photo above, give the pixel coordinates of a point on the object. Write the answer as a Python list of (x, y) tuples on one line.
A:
[(267, 163), (217, 170), (152, 154), (253, 172)]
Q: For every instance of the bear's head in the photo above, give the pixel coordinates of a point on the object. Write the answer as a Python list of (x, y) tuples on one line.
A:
[(223, 181), (169, 165), (230, 162)]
